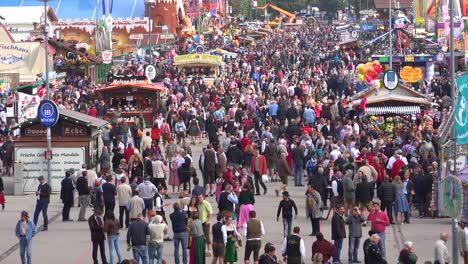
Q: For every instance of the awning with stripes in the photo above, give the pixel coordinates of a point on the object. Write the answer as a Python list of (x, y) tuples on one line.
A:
[(400, 110)]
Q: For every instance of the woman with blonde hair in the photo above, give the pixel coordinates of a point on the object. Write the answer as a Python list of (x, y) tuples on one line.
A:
[(317, 258)]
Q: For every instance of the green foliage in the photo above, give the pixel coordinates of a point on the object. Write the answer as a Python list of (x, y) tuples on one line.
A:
[(331, 6)]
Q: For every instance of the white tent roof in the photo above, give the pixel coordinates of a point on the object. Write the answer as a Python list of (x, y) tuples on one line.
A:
[(22, 14)]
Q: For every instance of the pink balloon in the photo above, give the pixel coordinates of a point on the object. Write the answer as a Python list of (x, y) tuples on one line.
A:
[(368, 79)]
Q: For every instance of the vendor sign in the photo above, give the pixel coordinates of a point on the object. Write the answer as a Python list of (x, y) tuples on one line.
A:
[(461, 112), (27, 106), (129, 80), (21, 58), (410, 75), (194, 58)]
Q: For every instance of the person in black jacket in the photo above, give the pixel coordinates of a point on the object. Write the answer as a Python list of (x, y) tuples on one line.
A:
[(338, 231), (374, 252), (364, 194), (366, 245), (234, 155), (179, 228), (185, 171), (43, 200), (83, 191), (118, 156), (286, 206), (66, 195), (387, 196), (108, 193), (293, 130)]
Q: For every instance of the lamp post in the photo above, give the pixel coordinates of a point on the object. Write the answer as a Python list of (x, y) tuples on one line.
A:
[(46, 46), (150, 4), (455, 250), (390, 63)]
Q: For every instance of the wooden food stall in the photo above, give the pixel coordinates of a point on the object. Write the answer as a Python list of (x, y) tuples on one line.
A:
[(135, 96), (75, 141), (201, 65)]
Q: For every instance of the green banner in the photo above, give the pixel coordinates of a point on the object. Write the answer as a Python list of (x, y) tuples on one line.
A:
[(461, 112)]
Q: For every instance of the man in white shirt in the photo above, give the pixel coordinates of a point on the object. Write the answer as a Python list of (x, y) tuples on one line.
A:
[(253, 230), (157, 228), (124, 192), (293, 249), (398, 155), (441, 253), (355, 151), (335, 153)]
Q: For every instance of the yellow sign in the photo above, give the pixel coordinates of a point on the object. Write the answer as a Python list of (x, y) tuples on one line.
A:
[(197, 58), (409, 58), (410, 75)]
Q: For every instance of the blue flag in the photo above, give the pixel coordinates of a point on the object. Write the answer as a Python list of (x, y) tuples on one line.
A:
[(103, 7)]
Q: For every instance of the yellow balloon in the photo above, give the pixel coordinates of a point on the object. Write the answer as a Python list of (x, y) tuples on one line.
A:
[(362, 70), (361, 78), (378, 84)]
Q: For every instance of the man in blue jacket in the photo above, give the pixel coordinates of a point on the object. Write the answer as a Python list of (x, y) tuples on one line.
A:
[(273, 110), (309, 116), (25, 231)]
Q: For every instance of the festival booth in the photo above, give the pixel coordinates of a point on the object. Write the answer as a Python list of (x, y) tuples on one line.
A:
[(23, 58), (205, 65), (401, 101), (135, 95), (75, 141), (425, 62), (72, 58)]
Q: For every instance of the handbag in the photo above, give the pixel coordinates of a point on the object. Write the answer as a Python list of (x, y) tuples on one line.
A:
[(237, 240), (139, 133), (265, 178)]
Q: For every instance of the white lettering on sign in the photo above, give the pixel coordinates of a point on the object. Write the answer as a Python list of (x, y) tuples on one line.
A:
[(74, 131), (35, 164)]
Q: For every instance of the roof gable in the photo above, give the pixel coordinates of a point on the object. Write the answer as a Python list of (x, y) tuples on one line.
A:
[(71, 116), (401, 90)]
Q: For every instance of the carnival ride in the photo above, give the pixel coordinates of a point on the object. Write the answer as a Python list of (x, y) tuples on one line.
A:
[(291, 16), (403, 41)]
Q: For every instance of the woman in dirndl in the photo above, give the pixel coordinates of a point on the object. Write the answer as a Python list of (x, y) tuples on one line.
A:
[(194, 130), (190, 209), (230, 255), (246, 202), (401, 203), (197, 248), (173, 176)]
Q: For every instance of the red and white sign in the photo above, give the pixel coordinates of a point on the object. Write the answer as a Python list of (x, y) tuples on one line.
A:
[(106, 56)]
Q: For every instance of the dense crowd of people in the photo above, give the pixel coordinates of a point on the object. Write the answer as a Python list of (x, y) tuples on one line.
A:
[(279, 112)]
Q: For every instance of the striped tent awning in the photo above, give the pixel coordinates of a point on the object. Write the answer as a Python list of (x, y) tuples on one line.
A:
[(401, 110)]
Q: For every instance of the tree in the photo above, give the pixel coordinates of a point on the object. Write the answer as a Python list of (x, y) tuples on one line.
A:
[(331, 6)]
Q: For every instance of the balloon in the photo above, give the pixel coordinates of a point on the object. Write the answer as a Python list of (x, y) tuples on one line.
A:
[(372, 74), (376, 84), (368, 79), (377, 68), (361, 78), (361, 69)]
